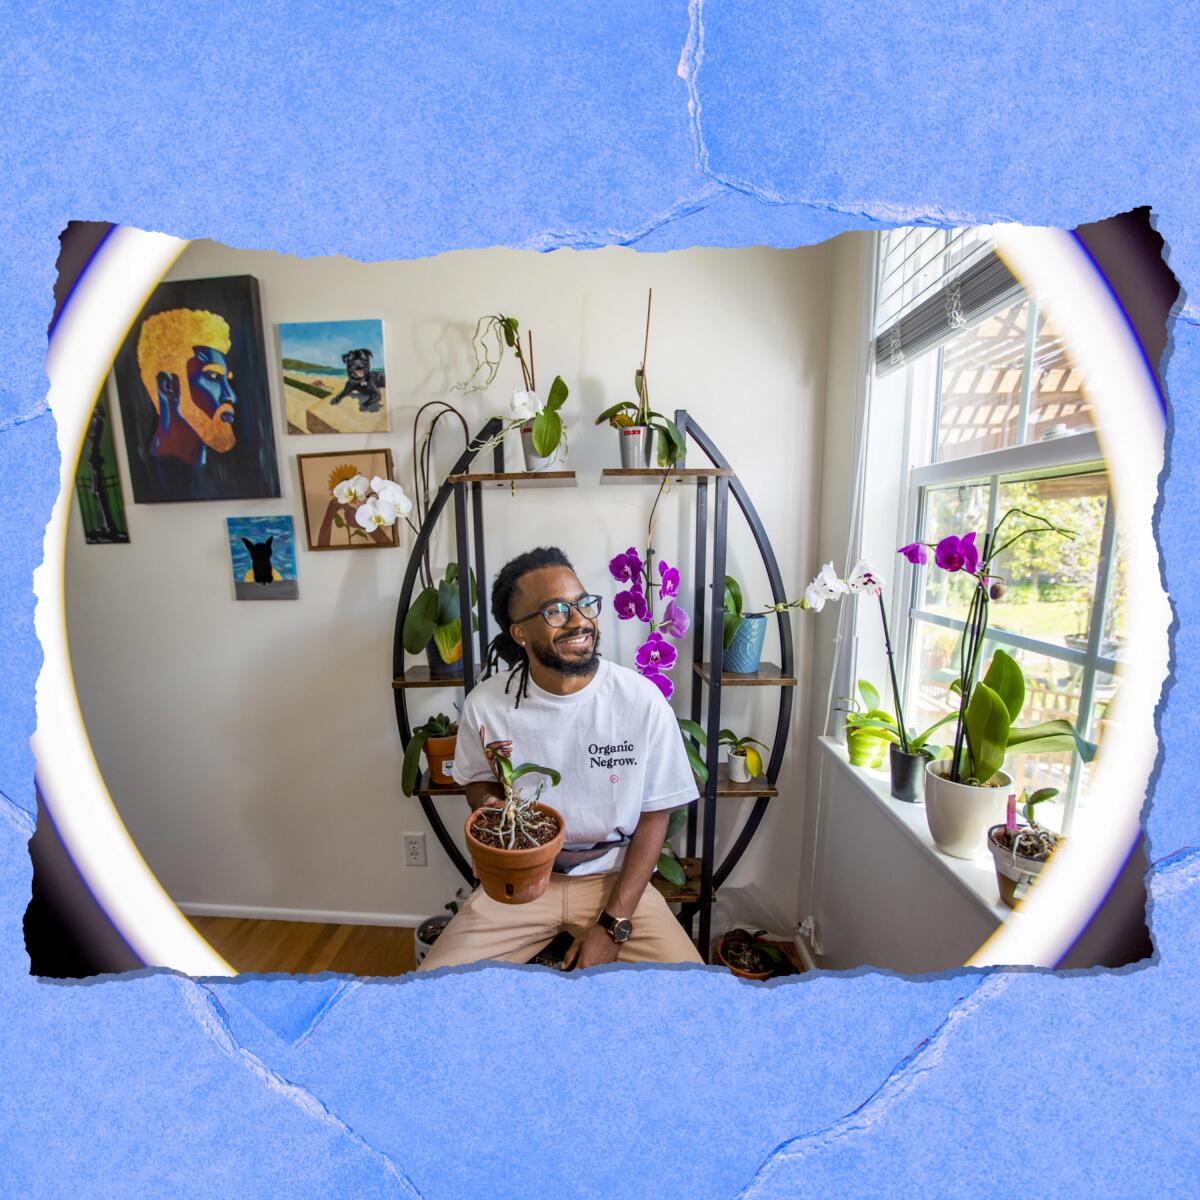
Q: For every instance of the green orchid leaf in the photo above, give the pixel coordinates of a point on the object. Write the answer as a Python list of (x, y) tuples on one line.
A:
[(448, 607), (693, 729), (609, 413), (448, 640), (987, 724), (1040, 796), (676, 823), (558, 394), (420, 621), (533, 769), (1007, 680), (671, 869), (699, 766), (955, 687), (727, 737), (547, 432), (733, 595), (869, 693), (338, 521), (1051, 737), (412, 762), (451, 573), (920, 739)]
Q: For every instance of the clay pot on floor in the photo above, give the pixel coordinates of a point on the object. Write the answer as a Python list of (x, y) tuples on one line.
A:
[(719, 956), (514, 876)]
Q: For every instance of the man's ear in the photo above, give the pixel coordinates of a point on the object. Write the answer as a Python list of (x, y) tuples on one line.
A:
[(168, 396)]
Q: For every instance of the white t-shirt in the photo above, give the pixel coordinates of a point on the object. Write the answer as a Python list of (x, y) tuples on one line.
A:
[(615, 742)]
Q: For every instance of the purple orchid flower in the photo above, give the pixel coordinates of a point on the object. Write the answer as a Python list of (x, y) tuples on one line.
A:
[(916, 553), (631, 604), (957, 554), (626, 566), (668, 581), (661, 682), (674, 620), (655, 654)]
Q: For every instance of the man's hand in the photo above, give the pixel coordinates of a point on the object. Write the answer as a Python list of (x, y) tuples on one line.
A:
[(594, 949)]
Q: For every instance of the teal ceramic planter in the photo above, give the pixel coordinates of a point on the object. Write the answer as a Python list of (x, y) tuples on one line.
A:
[(745, 651)]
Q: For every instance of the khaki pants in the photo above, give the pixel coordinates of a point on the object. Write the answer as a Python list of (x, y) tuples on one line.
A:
[(486, 929)]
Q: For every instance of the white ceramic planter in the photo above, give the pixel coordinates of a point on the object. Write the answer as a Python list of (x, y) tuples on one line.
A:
[(959, 816), (739, 772), (533, 460)]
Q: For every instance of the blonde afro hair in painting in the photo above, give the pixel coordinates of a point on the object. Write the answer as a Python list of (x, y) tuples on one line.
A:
[(168, 339)]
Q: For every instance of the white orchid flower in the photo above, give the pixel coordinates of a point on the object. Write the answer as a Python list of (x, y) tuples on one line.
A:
[(525, 405), (352, 491), (828, 583), (863, 579), (393, 493), (814, 597), (376, 514)]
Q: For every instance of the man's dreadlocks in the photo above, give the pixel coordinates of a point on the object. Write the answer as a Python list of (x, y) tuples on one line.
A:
[(504, 645)]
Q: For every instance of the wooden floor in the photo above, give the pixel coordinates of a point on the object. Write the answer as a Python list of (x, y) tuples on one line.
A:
[(307, 948)]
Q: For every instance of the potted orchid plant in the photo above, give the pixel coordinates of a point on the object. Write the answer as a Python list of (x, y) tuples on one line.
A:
[(961, 791), (1019, 852), (541, 425)]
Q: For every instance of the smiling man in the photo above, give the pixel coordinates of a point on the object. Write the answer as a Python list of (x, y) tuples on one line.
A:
[(613, 737)]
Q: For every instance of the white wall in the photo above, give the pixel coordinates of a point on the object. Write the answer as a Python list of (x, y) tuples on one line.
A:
[(251, 748)]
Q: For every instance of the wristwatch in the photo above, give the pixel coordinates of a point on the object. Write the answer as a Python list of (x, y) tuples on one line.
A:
[(620, 929)]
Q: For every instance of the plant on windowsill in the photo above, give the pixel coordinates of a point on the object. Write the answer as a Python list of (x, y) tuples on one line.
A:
[(961, 793), (541, 426), (513, 842), (636, 422), (1019, 852), (867, 725), (433, 624), (437, 737), (751, 956)]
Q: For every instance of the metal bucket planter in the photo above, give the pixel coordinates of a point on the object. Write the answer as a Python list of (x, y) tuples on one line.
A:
[(908, 774), (637, 442), (533, 460), (959, 814), (745, 651)]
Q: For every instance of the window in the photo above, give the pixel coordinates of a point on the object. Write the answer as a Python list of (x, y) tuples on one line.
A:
[(997, 417)]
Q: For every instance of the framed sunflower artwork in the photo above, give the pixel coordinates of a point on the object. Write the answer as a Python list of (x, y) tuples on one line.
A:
[(328, 498)]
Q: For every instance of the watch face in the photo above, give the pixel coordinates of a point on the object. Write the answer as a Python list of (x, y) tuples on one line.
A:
[(622, 929)]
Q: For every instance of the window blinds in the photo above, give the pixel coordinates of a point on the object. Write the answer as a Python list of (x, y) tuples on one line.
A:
[(934, 283)]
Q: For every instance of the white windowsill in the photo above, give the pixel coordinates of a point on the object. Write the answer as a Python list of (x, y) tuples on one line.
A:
[(976, 877)]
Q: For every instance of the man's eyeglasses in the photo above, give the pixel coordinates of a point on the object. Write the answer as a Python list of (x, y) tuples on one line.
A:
[(556, 614)]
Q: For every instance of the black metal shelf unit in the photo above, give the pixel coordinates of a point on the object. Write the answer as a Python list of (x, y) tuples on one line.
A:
[(708, 673)]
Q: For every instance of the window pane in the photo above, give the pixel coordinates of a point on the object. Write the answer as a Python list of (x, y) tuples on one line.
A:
[(1115, 639), (1101, 729), (1058, 402), (934, 667), (1051, 580), (979, 396), (951, 510)]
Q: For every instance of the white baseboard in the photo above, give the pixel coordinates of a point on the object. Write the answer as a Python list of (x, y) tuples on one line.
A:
[(320, 916)]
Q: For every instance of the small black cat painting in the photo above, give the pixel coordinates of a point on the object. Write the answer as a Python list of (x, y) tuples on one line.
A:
[(263, 550)]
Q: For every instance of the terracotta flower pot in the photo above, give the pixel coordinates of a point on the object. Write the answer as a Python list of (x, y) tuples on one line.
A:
[(1015, 874), (439, 754), (959, 814), (514, 876), (724, 962)]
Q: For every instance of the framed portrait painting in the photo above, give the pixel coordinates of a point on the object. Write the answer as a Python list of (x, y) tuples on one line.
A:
[(195, 403), (333, 377), (328, 518)]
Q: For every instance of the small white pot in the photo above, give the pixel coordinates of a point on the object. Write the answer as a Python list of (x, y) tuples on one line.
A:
[(960, 815), (739, 772), (533, 460)]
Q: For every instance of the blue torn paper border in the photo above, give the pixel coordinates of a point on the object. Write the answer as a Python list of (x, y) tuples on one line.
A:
[(541, 125)]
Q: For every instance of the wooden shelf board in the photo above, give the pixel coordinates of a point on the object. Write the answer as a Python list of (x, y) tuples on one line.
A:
[(655, 474), (767, 675), (419, 677), (689, 892), (515, 479), (760, 785), (426, 787)]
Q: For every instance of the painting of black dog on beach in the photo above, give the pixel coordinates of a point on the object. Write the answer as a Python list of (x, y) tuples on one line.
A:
[(263, 550), (333, 377)]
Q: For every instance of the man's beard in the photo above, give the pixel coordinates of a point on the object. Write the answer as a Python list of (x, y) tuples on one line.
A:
[(568, 666)]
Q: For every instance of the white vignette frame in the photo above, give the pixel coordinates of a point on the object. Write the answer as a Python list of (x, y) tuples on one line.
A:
[(1051, 263)]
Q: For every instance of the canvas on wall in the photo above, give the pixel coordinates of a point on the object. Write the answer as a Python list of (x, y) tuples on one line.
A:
[(328, 520), (333, 377), (98, 482), (263, 550), (195, 404)]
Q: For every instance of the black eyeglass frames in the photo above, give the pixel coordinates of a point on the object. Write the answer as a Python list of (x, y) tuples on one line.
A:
[(555, 615)]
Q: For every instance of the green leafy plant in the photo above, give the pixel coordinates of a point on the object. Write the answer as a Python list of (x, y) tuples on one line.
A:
[(995, 703), (733, 616), (669, 866), (694, 740), (435, 616), (1031, 841), (439, 726), (753, 953), (744, 746)]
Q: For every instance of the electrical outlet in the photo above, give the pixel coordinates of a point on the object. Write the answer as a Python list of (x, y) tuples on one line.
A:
[(414, 850)]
